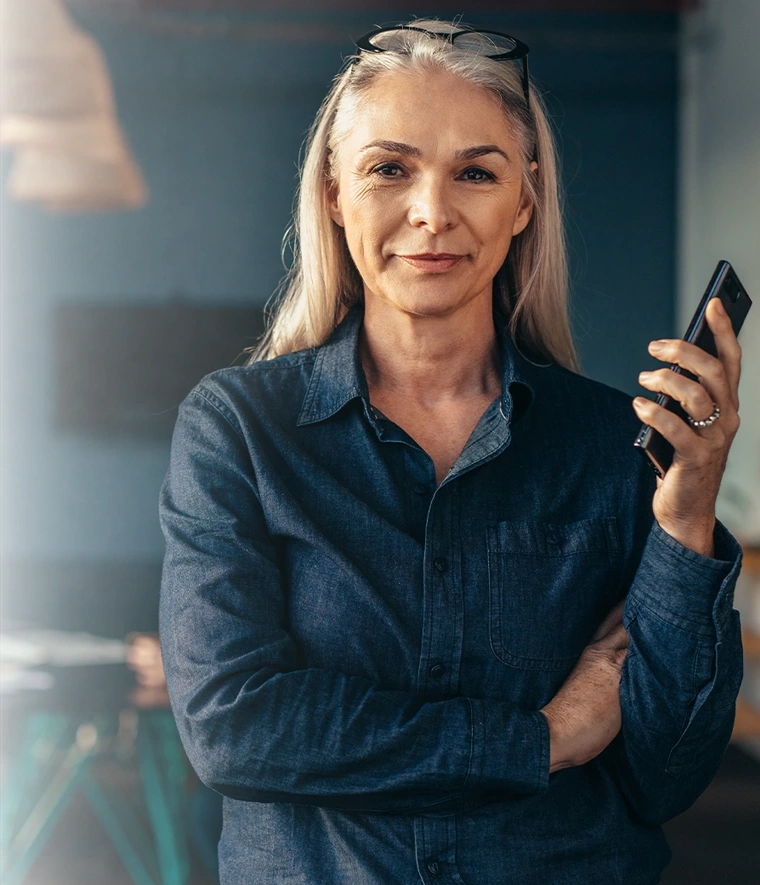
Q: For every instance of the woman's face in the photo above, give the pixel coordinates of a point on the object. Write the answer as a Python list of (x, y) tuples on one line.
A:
[(428, 190)]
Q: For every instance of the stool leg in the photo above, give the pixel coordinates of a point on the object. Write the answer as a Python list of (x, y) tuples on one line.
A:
[(175, 762), (115, 832), (37, 828), (17, 782), (26, 772), (167, 832)]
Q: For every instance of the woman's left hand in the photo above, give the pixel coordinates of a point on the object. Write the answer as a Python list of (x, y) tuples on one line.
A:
[(684, 502)]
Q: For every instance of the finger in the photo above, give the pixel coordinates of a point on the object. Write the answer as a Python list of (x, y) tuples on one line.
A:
[(696, 401), (708, 370), (616, 639), (689, 446), (614, 617), (727, 345)]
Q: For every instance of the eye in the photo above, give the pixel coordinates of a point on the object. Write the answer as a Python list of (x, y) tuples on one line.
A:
[(388, 170), (476, 174)]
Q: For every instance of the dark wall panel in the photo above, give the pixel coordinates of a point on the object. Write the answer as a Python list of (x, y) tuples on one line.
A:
[(122, 369)]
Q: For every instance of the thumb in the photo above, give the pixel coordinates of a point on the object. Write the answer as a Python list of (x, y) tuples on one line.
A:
[(614, 618), (617, 639)]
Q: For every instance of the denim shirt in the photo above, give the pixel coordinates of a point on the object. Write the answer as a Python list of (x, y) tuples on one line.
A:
[(356, 656)]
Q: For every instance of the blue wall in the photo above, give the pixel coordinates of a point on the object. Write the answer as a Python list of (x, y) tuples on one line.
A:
[(216, 126)]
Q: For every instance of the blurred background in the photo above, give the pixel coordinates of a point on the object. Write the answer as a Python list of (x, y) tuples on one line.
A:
[(149, 160)]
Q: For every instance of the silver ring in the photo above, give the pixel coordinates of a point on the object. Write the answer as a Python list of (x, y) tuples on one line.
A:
[(706, 422)]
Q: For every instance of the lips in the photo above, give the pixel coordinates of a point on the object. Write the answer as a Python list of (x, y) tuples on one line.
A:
[(433, 262)]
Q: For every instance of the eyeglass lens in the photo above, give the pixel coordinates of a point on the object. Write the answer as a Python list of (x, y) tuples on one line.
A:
[(485, 44), (472, 41), (395, 39)]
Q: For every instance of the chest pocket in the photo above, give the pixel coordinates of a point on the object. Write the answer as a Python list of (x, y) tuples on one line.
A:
[(550, 586)]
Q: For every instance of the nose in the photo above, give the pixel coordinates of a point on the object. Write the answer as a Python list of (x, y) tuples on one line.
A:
[(432, 205)]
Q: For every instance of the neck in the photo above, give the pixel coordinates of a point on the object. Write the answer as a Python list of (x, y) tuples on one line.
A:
[(430, 360)]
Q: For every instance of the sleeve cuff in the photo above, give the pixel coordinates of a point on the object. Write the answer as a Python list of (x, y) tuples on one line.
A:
[(510, 748), (683, 587)]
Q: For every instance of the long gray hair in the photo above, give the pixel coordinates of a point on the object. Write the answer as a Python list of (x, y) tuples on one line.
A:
[(530, 289)]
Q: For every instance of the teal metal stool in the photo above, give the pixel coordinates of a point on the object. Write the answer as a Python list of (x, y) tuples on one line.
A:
[(56, 755)]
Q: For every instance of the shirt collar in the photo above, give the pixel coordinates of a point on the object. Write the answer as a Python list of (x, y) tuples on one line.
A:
[(338, 376)]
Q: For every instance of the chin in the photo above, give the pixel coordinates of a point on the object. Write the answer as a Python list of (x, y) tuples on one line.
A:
[(429, 303), (424, 307)]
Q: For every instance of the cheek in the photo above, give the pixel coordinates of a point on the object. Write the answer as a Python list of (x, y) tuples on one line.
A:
[(495, 226), (368, 227), (497, 215)]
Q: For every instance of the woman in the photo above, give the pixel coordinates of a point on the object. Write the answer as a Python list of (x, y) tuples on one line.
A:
[(400, 540)]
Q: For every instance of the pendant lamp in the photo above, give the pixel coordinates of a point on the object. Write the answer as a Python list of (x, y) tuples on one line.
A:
[(57, 112)]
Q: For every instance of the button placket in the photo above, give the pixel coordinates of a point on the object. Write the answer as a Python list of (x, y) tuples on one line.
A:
[(435, 848), (433, 867), (437, 671), (443, 601)]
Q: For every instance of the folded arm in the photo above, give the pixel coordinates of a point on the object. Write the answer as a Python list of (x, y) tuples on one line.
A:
[(258, 725), (681, 676)]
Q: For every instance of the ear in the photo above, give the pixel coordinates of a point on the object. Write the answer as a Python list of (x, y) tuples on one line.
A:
[(525, 210), (333, 202)]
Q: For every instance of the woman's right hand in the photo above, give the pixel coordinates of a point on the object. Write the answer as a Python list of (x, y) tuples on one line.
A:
[(584, 715)]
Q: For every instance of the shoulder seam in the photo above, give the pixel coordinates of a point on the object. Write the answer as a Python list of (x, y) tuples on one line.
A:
[(269, 366), (220, 407)]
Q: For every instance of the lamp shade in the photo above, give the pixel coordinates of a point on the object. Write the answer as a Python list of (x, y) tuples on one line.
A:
[(57, 111), (66, 182)]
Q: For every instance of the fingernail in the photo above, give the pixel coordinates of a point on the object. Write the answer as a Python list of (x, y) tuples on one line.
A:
[(656, 345), (721, 309), (644, 375), (639, 401)]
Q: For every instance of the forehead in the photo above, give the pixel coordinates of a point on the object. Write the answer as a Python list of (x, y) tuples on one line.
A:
[(424, 107)]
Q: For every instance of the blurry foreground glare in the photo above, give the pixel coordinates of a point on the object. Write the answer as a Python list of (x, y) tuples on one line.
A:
[(57, 112)]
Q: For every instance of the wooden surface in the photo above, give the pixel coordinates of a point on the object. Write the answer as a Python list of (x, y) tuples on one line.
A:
[(751, 643), (751, 560), (747, 724)]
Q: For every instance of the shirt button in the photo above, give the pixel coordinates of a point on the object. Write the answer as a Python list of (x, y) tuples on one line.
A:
[(419, 488), (433, 867), (552, 537), (440, 563), (436, 671)]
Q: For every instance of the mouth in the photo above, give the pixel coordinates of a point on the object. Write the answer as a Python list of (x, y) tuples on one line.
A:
[(433, 262)]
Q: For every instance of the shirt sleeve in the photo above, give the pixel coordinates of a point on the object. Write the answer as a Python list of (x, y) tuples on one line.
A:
[(255, 723), (682, 673)]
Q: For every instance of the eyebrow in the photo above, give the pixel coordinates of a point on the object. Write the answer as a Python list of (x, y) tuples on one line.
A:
[(395, 147), (407, 150), (480, 151)]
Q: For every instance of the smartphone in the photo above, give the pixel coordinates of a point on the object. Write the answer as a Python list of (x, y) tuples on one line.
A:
[(725, 284)]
